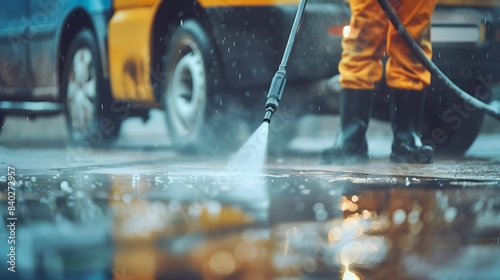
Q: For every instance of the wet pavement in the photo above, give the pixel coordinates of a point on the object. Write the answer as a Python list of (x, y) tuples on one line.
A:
[(171, 219), (142, 211)]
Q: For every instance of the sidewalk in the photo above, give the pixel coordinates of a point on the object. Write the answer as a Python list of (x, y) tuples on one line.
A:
[(318, 132), (315, 133)]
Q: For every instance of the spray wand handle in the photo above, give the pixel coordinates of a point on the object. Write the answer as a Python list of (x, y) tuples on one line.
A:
[(279, 80)]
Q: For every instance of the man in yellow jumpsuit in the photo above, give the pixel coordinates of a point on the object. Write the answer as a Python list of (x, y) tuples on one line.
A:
[(371, 34)]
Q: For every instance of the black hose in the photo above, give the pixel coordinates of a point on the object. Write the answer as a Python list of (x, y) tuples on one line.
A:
[(429, 65)]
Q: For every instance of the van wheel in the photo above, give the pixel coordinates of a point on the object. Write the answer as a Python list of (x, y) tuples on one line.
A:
[(2, 120), (451, 125), (89, 117), (194, 119)]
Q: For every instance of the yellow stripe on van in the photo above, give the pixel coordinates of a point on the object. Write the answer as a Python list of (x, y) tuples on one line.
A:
[(235, 3), (127, 4)]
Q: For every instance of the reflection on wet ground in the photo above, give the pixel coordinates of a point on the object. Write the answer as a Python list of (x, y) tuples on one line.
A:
[(284, 224)]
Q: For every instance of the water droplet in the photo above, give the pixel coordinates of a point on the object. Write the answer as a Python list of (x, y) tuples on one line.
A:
[(222, 263), (80, 194), (213, 207), (158, 180), (309, 264), (127, 198), (318, 207), (174, 206), (399, 216), (321, 215), (450, 214), (65, 187), (413, 217)]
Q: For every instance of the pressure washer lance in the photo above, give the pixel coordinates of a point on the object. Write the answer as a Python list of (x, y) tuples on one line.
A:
[(429, 65), (279, 80)]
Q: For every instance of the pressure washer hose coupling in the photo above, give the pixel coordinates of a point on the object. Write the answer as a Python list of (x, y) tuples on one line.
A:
[(271, 106)]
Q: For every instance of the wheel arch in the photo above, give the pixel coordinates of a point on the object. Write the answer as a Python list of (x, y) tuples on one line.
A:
[(169, 13), (75, 21)]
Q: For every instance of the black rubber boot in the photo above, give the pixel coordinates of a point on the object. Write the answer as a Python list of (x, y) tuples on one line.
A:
[(406, 117), (355, 112)]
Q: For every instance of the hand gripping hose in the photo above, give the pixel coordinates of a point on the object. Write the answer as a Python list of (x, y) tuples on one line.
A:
[(429, 65)]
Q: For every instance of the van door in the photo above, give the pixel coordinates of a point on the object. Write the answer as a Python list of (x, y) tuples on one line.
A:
[(15, 76), (42, 48)]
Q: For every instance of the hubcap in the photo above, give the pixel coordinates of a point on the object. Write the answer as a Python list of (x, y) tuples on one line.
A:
[(186, 96), (81, 91)]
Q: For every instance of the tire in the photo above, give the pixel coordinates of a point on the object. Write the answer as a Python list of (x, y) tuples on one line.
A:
[(2, 120), (87, 95), (193, 82), (451, 125)]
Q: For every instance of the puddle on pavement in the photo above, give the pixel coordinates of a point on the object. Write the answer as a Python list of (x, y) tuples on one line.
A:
[(286, 224)]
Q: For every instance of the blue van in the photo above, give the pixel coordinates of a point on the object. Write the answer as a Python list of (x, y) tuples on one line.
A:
[(40, 40)]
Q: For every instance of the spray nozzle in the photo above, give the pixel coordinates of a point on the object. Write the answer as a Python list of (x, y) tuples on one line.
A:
[(275, 93), (268, 115)]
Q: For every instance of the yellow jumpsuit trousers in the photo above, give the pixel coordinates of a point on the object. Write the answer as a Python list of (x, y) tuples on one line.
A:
[(371, 34)]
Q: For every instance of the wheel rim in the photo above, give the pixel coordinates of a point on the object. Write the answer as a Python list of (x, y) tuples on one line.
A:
[(81, 91), (186, 94)]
